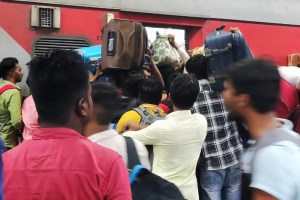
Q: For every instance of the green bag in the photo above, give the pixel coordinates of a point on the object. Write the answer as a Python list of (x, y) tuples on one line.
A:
[(164, 53)]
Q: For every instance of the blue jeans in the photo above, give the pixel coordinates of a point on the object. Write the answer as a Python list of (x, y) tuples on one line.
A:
[(224, 184)]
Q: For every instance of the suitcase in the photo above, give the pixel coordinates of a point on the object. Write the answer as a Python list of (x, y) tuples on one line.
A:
[(293, 59), (223, 49), (124, 44), (92, 56)]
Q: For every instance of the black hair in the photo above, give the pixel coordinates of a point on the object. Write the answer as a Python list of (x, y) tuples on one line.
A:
[(150, 91), (6, 65), (106, 102), (166, 71), (260, 80), (197, 65), (184, 91), (58, 79), (169, 81), (131, 82)]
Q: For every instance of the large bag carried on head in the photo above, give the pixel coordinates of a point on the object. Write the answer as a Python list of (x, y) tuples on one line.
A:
[(91, 56), (164, 53), (222, 49), (146, 185), (124, 44)]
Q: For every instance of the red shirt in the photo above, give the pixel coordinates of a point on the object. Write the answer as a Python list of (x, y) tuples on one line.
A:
[(288, 99), (59, 163)]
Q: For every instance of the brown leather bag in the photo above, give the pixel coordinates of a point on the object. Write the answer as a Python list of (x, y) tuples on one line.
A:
[(124, 45)]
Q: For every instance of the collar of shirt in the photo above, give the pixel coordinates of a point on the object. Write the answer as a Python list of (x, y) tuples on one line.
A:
[(204, 85), (179, 113), (103, 135), (5, 82), (55, 133)]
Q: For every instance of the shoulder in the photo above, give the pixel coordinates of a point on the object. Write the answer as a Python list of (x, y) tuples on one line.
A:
[(130, 113), (275, 164), (201, 118)]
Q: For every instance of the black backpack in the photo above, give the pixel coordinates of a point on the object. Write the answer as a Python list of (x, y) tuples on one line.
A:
[(144, 184)]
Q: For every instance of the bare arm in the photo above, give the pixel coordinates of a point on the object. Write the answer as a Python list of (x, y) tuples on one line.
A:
[(156, 72), (261, 195)]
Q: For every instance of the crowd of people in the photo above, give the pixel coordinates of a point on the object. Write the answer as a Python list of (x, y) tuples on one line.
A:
[(67, 140)]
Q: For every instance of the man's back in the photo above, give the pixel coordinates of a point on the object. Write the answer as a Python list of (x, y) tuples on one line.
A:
[(222, 147), (275, 168), (175, 139), (112, 140), (134, 116), (59, 163), (10, 114)]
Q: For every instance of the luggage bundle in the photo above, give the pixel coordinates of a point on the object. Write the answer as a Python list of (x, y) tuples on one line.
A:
[(222, 49), (91, 56), (164, 53), (124, 44), (293, 59)]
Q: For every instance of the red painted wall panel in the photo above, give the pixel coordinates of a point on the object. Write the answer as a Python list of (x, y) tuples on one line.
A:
[(77, 22)]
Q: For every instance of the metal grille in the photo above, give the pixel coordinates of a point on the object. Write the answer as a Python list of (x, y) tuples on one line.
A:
[(46, 17), (45, 44)]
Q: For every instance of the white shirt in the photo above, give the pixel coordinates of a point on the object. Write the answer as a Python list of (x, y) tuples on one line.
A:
[(291, 74), (184, 56), (112, 140), (177, 142)]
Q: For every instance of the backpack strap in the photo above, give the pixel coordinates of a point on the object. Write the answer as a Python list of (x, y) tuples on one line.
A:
[(133, 158), (277, 135), (135, 172), (145, 115), (2, 90), (6, 87)]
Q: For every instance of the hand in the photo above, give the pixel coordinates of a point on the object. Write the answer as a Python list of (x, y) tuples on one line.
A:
[(94, 77), (171, 39), (235, 30)]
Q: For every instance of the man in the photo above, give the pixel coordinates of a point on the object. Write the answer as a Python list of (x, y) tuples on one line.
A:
[(177, 139), (10, 101), (251, 93), (150, 93), (220, 173), (106, 103), (59, 162)]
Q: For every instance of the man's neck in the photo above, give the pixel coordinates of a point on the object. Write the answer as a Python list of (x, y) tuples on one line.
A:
[(12, 80), (93, 128), (177, 109), (258, 124)]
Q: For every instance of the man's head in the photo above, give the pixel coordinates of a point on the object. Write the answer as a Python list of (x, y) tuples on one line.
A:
[(252, 85), (60, 88), (10, 70), (197, 66), (184, 91), (150, 91), (106, 103)]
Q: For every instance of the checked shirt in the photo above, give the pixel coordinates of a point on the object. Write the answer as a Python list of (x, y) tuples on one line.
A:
[(222, 147)]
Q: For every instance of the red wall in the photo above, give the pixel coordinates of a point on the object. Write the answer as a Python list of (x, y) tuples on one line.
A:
[(269, 41), (77, 22)]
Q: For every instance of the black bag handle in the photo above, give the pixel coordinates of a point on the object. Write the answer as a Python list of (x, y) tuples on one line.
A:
[(133, 158)]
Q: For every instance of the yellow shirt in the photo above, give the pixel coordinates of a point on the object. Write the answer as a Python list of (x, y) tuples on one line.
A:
[(133, 116)]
